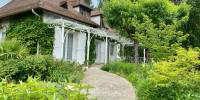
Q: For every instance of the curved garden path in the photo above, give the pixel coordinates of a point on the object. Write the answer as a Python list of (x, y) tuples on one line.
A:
[(108, 86)]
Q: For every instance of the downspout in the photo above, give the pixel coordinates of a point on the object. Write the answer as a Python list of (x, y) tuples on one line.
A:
[(38, 45), (35, 13)]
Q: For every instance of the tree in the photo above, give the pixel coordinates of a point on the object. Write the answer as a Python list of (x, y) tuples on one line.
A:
[(119, 14), (101, 3), (192, 27), (163, 11), (163, 40), (89, 2)]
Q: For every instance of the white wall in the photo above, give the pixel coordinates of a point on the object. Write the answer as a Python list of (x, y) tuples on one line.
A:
[(96, 19), (79, 40), (77, 9), (51, 16)]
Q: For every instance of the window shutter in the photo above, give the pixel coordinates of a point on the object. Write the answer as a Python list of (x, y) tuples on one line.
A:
[(81, 48), (70, 46), (57, 43)]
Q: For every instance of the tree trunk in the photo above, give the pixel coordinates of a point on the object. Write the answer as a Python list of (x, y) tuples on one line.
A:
[(148, 57), (136, 45)]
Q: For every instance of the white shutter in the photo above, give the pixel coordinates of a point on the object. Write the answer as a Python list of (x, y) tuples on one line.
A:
[(118, 51), (103, 49), (81, 48), (70, 46), (57, 43)]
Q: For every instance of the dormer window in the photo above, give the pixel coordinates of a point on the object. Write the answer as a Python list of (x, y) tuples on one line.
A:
[(85, 12)]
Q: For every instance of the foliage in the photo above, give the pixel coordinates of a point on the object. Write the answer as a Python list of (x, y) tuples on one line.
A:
[(173, 79), (44, 67), (123, 8), (89, 2), (163, 11), (120, 67), (35, 89), (179, 70), (92, 50), (0, 23), (70, 71), (30, 30), (192, 26), (11, 49), (162, 40)]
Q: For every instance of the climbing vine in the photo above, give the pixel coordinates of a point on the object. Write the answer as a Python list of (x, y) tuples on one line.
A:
[(30, 30), (92, 56), (0, 23)]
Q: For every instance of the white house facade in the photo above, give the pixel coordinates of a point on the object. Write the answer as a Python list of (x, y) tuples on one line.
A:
[(66, 17)]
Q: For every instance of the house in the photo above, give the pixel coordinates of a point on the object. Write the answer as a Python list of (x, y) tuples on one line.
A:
[(66, 17)]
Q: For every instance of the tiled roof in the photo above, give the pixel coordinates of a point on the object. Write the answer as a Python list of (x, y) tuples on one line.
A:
[(75, 3), (20, 6), (96, 13)]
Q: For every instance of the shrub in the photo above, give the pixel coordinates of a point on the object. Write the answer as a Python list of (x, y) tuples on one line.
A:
[(174, 79), (178, 77), (12, 49), (36, 90), (45, 67), (120, 67)]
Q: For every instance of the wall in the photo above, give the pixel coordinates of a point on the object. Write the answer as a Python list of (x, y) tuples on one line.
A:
[(78, 39), (96, 19), (50, 16), (77, 9)]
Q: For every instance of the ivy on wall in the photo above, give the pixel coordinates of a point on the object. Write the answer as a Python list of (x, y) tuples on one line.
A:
[(30, 30), (0, 23)]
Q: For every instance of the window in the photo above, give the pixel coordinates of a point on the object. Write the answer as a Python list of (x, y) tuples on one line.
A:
[(85, 12), (112, 50)]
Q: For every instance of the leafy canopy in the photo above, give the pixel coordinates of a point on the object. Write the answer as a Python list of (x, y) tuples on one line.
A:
[(162, 40)]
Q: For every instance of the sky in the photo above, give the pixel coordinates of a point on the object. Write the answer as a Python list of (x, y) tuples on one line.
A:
[(3, 2), (95, 2)]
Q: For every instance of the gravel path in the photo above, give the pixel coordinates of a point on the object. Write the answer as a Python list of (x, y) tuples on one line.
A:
[(108, 86)]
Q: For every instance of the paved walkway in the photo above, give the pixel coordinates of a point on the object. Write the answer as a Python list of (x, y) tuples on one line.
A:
[(108, 86)]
